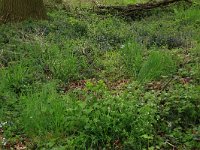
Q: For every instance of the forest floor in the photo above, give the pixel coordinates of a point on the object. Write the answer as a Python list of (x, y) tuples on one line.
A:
[(82, 80)]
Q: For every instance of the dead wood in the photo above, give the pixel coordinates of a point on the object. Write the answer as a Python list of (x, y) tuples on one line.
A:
[(135, 8)]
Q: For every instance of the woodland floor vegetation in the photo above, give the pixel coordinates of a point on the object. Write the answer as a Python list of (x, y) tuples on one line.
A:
[(82, 80)]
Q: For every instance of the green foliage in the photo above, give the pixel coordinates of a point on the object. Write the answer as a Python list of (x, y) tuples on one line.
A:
[(112, 66), (80, 4), (132, 54), (74, 81), (99, 120), (43, 112), (15, 78), (180, 109), (189, 15), (157, 64), (62, 63), (106, 32)]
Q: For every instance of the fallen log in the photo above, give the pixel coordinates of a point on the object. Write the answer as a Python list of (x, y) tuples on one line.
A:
[(135, 8)]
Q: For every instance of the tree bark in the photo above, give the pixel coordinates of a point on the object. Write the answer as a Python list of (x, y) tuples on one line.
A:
[(18, 10)]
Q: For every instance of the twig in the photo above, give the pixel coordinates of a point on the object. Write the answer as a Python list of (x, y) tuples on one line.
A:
[(168, 82), (171, 145)]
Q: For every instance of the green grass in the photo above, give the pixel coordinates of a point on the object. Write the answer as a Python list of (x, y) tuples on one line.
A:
[(43, 112), (157, 64), (85, 81), (132, 54), (91, 3), (62, 63), (47, 112)]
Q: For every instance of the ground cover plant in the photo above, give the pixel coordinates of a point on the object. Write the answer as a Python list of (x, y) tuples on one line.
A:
[(84, 80)]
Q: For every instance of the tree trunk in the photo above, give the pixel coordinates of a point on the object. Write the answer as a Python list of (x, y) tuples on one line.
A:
[(18, 10)]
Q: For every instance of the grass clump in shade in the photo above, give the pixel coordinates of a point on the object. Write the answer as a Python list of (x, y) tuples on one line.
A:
[(43, 111), (16, 78), (157, 64), (132, 54), (62, 64), (189, 16)]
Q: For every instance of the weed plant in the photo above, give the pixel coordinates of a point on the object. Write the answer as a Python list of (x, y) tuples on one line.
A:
[(85, 81), (62, 63), (157, 64), (100, 119), (43, 112), (132, 54)]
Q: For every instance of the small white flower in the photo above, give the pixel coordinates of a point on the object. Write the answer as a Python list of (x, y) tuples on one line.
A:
[(4, 142), (3, 124), (122, 46)]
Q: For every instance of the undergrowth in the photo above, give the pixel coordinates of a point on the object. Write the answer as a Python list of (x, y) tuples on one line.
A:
[(85, 81)]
